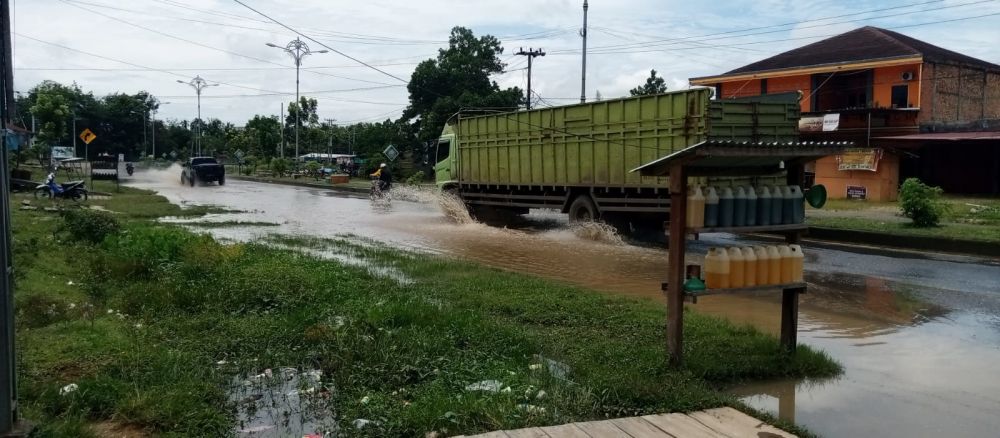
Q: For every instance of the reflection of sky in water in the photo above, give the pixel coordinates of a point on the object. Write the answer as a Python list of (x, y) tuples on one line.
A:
[(918, 336)]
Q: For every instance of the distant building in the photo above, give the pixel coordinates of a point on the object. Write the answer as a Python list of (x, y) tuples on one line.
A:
[(913, 109)]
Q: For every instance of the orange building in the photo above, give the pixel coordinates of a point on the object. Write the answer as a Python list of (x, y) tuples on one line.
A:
[(911, 108)]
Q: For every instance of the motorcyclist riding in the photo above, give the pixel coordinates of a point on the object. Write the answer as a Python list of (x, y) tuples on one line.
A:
[(384, 177)]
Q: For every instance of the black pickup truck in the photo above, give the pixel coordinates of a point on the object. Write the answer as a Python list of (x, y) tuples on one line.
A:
[(203, 170)]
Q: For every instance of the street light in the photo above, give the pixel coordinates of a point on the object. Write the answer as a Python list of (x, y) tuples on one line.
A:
[(198, 84), (297, 49)]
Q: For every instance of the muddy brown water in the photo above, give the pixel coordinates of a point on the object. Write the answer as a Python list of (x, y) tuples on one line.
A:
[(918, 335)]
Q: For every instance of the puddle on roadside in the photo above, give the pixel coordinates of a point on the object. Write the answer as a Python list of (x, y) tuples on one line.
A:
[(283, 403)]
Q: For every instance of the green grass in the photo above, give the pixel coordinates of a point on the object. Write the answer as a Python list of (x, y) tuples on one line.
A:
[(949, 230), (407, 331), (960, 221)]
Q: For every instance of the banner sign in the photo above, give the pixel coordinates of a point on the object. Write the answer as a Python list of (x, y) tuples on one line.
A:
[(824, 123), (859, 159)]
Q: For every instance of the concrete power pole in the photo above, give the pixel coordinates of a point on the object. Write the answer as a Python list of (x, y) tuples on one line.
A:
[(531, 54), (281, 152), (583, 69), (10, 424)]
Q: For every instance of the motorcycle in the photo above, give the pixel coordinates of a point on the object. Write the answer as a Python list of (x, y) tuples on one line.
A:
[(129, 168), (73, 190)]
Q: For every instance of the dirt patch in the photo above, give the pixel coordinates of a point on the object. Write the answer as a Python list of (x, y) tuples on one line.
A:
[(110, 429)]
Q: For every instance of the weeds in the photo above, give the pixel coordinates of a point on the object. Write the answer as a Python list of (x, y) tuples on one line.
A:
[(175, 317)]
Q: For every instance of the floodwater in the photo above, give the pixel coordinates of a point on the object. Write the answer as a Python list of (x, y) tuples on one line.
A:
[(918, 334)]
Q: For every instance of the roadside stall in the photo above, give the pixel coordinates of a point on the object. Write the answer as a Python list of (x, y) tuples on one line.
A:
[(749, 162)]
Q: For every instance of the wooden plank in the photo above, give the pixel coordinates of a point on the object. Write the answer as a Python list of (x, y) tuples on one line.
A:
[(601, 429), (565, 431), (680, 425), (639, 428), (735, 424), (530, 432), (675, 265)]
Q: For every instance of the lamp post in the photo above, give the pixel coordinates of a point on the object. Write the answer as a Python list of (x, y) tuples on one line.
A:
[(297, 49), (198, 84)]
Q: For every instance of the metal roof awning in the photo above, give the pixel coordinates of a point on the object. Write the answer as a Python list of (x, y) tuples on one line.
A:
[(732, 158), (947, 136)]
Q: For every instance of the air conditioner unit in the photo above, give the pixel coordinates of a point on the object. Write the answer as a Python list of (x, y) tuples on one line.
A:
[(907, 75)]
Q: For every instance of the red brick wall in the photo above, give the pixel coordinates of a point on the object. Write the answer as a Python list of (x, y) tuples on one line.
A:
[(959, 95)]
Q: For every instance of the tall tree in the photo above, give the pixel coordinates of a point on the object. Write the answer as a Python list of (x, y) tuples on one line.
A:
[(459, 78), (654, 85)]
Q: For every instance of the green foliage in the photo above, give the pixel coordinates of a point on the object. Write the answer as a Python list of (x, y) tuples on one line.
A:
[(87, 225), (459, 78), (280, 166), (654, 85), (313, 168), (921, 203), (418, 177), (143, 249)]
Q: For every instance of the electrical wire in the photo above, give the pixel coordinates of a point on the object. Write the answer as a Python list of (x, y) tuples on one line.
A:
[(228, 52), (721, 35)]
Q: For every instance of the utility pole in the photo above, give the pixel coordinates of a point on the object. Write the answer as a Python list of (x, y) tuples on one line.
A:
[(583, 69), (10, 424), (329, 147), (281, 132), (145, 122), (198, 84), (297, 49), (73, 134), (154, 130), (531, 54)]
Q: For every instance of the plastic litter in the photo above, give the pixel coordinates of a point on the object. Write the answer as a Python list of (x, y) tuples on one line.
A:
[(485, 385), (72, 387)]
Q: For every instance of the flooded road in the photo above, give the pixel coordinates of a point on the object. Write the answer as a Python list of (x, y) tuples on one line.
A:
[(918, 335)]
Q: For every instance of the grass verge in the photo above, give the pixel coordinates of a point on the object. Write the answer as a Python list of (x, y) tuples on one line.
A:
[(155, 324), (966, 218)]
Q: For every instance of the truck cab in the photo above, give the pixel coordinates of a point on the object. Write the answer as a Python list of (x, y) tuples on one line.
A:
[(446, 159)]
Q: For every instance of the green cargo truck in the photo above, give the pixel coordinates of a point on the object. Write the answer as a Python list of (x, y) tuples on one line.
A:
[(577, 158)]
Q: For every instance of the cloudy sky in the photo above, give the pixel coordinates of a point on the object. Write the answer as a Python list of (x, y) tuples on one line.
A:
[(108, 46)]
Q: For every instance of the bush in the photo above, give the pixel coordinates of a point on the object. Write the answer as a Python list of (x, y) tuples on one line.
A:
[(89, 225), (280, 166), (416, 178), (921, 203), (142, 250)]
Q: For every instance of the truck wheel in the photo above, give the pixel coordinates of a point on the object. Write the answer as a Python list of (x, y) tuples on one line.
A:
[(191, 180), (583, 209), (222, 180)]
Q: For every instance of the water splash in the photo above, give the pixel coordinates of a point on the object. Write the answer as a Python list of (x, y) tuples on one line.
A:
[(597, 232), (451, 205)]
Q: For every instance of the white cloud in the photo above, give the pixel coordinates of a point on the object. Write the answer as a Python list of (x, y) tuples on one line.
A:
[(621, 52)]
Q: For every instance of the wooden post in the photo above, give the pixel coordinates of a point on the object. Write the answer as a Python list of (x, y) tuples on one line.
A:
[(790, 297), (675, 279)]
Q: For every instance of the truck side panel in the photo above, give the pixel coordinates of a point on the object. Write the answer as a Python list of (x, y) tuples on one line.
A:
[(594, 144)]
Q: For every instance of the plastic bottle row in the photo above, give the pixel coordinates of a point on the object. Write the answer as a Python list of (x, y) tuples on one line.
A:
[(745, 206), (731, 268)]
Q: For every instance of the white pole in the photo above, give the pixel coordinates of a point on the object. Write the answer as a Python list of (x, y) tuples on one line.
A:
[(583, 70)]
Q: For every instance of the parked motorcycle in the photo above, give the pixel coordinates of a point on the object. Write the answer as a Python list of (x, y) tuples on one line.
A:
[(73, 190)]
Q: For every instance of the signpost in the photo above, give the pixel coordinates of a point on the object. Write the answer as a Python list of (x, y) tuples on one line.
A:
[(87, 136), (391, 152)]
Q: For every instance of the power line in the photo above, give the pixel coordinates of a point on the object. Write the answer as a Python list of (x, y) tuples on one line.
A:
[(229, 52), (322, 44), (206, 68), (720, 35)]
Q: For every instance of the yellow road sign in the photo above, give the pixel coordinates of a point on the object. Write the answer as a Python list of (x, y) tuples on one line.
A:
[(87, 136)]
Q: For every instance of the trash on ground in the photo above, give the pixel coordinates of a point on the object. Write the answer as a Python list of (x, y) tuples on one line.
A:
[(485, 385), (72, 387)]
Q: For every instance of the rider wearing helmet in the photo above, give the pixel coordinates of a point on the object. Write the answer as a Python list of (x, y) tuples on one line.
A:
[(384, 177)]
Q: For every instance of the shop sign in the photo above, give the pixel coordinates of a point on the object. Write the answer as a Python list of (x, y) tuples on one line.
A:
[(824, 123), (857, 192)]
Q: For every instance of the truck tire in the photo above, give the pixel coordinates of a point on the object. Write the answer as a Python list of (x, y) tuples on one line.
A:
[(583, 210), (222, 180), (191, 179)]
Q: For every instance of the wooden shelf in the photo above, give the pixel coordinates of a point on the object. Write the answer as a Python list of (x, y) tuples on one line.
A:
[(767, 288), (754, 229)]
